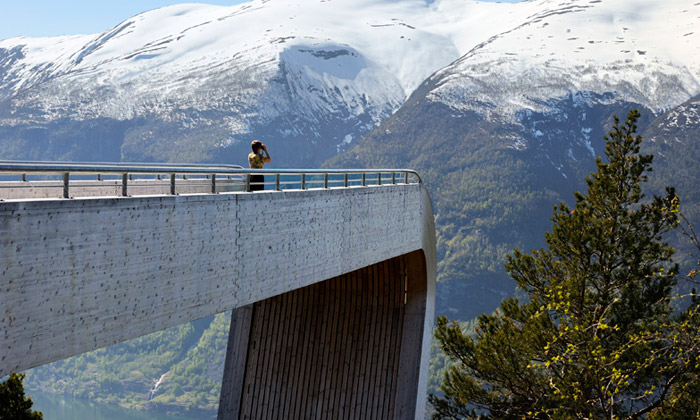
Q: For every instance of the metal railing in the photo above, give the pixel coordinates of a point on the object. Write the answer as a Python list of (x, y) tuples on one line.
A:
[(27, 179)]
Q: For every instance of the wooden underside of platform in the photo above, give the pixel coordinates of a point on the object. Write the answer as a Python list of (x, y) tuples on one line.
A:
[(345, 348)]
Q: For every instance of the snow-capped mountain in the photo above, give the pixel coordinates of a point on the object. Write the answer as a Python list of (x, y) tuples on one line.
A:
[(645, 52), (556, 73), (196, 80)]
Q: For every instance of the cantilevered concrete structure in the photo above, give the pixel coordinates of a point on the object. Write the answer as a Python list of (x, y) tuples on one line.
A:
[(332, 288)]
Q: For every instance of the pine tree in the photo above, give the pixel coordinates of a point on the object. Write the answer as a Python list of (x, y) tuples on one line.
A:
[(597, 336), (14, 405)]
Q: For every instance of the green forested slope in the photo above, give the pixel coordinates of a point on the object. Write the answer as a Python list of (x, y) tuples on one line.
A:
[(487, 197), (190, 356)]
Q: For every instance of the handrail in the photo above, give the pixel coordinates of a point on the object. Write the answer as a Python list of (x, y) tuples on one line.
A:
[(235, 178), (120, 164)]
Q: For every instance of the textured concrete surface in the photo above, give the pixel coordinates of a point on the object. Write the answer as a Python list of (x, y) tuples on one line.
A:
[(76, 275)]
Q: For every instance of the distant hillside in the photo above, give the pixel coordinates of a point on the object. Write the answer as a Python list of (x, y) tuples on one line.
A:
[(178, 370)]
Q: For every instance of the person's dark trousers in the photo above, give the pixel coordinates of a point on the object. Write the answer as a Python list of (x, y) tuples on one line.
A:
[(256, 182)]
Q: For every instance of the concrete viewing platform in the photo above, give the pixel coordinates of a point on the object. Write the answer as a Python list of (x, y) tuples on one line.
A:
[(330, 275)]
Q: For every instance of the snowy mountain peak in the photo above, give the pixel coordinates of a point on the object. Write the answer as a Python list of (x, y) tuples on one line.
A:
[(646, 52)]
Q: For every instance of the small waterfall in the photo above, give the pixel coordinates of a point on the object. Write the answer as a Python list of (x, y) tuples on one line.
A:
[(155, 387)]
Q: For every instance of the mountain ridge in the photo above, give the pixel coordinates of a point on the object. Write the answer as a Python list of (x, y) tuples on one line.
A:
[(199, 82)]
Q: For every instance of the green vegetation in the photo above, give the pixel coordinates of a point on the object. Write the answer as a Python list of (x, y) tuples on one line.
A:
[(487, 197), (14, 405), (597, 336), (195, 381), (190, 355)]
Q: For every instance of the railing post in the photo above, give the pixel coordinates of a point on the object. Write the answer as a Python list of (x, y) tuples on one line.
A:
[(405, 178), (24, 177), (125, 181), (364, 179), (66, 182), (277, 182), (213, 183), (346, 179), (379, 178), (393, 178), (99, 177), (325, 180), (172, 184), (303, 181), (247, 182)]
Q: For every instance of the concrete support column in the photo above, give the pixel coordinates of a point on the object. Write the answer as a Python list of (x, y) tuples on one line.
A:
[(415, 283), (234, 367)]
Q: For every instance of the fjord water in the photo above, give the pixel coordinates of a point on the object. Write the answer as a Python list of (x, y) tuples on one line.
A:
[(63, 407)]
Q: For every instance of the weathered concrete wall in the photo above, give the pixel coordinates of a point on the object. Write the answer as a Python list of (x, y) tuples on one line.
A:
[(81, 274), (77, 275)]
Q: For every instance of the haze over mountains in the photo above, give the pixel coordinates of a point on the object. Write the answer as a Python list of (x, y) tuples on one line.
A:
[(502, 108)]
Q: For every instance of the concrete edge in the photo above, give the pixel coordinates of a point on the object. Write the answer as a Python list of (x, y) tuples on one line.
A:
[(429, 253)]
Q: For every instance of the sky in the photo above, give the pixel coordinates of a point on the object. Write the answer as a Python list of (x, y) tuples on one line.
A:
[(36, 18)]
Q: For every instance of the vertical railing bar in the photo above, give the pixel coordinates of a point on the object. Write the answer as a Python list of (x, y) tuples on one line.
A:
[(277, 181), (213, 183), (247, 182), (379, 178), (393, 178), (125, 181), (24, 177), (172, 184), (364, 179), (66, 182), (131, 177), (346, 179), (99, 177), (325, 180), (303, 181), (405, 178)]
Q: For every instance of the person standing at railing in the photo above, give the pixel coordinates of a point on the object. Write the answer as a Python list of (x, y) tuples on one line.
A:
[(257, 160)]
